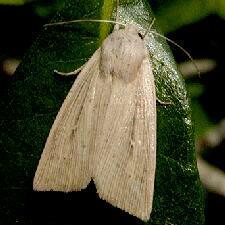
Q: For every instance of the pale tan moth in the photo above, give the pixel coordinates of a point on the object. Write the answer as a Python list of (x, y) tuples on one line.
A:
[(106, 128)]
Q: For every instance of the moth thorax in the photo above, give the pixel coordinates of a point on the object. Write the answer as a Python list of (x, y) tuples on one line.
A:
[(122, 55)]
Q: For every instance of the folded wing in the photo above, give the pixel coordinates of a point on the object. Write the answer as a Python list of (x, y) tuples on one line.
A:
[(64, 164), (125, 148)]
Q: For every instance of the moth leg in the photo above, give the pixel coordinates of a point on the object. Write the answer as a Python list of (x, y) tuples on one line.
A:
[(162, 102), (70, 73)]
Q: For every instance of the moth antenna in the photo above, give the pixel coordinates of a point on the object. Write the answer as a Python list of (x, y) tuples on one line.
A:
[(117, 15), (181, 48), (79, 21), (149, 28)]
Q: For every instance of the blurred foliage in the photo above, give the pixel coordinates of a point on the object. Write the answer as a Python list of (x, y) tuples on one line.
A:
[(174, 14), (46, 8), (14, 2), (201, 120)]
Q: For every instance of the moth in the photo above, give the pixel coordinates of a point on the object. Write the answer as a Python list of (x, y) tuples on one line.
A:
[(105, 130)]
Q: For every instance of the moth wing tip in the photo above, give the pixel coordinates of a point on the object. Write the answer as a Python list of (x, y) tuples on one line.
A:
[(144, 216)]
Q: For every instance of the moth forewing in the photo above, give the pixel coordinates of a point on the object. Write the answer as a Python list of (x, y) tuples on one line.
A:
[(106, 128), (64, 164), (126, 144)]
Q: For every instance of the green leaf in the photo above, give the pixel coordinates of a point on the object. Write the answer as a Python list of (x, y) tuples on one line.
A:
[(31, 100)]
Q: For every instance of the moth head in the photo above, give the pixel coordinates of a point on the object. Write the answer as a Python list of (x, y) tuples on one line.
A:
[(132, 29)]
